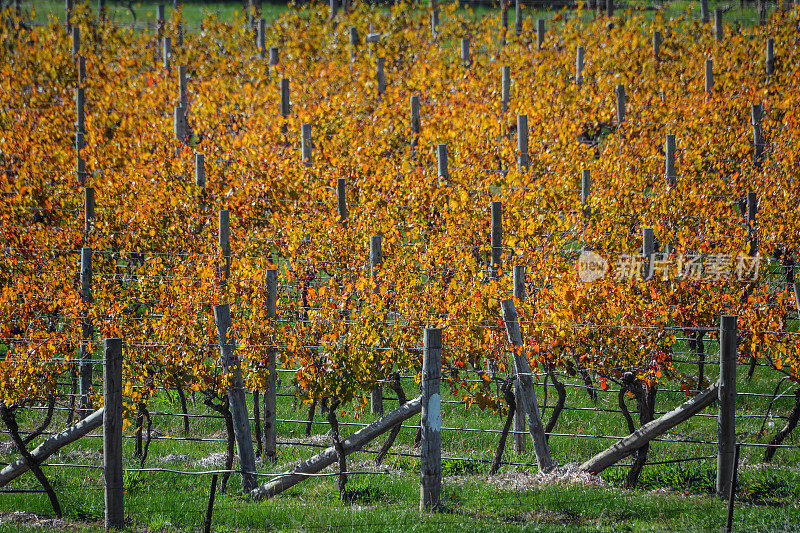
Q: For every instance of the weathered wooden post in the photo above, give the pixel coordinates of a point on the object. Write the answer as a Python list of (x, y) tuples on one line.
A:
[(167, 54), (88, 213), (81, 70), (159, 23), (441, 162), (579, 56), (380, 75), (353, 38), (727, 403), (527, 392), (518, 18), (225, 246), (758, 134), (375, 263), (620, 94), (466, 60), (770, 60), (262, 38), (505, 87), (718, 27), (179, 123), (231, 365), (709, 82), (648, 252), (539, 34), (80, 110), (669, 149), (112, 435), (496, 238), (522, 142), (200, 170), (68, 15), (430, 454), (752, 207), (586, 190), (415, 124), (657, 40), (519, 412), (285, 107), (306, 147), (341, 200), (704, 17), (274, 56), (85, 384), (76, 41), (182, 92), (270, 395)]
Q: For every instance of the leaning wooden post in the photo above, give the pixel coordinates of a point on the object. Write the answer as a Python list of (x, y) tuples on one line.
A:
[(505, 87), (709, 80), (620, 94), (441, 163), (232, 368), (225, 246), (85, 390), (465, 55), (112, 435), (718, 28), (496, 238), (758, 134), (341, 200), (270, 395), (182, 92), (375, 263), (415, 124), (88, 213), (519, 413), (527, 392), (306, 145), (727, 403), (579, 56), (704, 17), (522, 142), (586, 191), (669, 149), (430, 454), (657, 40)]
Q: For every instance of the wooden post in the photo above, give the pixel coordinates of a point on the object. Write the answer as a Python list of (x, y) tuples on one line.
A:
[(167, 54), (182, 93), (81, 70), (539, 34), (80, 118), (718, 27), (527, 397), (380, 75), (752, 206), (306, 147), (522, 142), (375, 263), (727, 403), (496, 238), (76, 41), (200, 170), (503, 21), (160, 22), (505, 87), (274, 59), (353, 38), (441, 162), (610, 8), (709, 77), (225, 246), (68, 15), (179, 124), (657, 40), (704, 17), (88, 212), (270, 395), (341, 200), (648, 252), (80, 169), (586, 190), (210, 508), (669, 149), (466, 60), (620, 93), (112, 435), (236, 398), (518, 18), (85, 384), (519, 413), (758, 134), (262, 38), (579, 56), (770, 61), (430, 454), (80, 142), (285, 109)]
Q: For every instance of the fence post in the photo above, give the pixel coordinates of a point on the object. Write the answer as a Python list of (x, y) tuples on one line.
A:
[(159, 23), (727, 403), (415, 124), (519, 413), (235, 388), (522, 142), (225, 246), (518, 18), (648, 252), (375, 262), (179, 124), (380, 75), (182, 93), (528, 393), (758, 134), (770, 61), (353, 34), (709, 77), (579, 56), (610, 8), (496, 238), (88, 213), (657, 40), (200, 170), (505, 87), (80, 110), (752, 206), (441, 162), (430, 455), (285, 97), (76, 41), (68, 15), (270, 395), (306, 148), (669, 149), (704, 18), (586, 190), (112, 435), (274, 57), (81, 70), (718, 28), (465, 57), (80, 169), (262, 38), (167, 54), (620, 93), (540, 34)]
